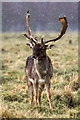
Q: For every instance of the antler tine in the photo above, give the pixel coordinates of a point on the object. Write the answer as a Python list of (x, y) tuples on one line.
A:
[(42, 39), (30, 37), (64, 23)]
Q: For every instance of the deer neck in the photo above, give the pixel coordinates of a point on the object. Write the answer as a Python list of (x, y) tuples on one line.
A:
[(41, 60), (40, 66)]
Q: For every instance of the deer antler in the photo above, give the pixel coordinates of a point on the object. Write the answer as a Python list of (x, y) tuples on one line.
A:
[(29, 36), (42, 39), (64, 23), (27, 23)]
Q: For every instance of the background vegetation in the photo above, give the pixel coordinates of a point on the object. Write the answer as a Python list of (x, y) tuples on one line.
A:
[(65, 89), (44, 15)]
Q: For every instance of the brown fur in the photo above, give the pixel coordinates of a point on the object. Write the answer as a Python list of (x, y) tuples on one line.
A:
[(45, 69)]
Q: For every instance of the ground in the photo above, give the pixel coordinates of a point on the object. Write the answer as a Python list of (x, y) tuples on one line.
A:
[(65, 89)]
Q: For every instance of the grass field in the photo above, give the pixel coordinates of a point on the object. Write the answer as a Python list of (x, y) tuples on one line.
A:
[(65, 89)]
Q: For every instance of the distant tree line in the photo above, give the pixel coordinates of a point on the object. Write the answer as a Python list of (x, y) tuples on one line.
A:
[(44, 15)]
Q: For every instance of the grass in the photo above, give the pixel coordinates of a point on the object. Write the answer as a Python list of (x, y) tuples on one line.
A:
[(65, 88)]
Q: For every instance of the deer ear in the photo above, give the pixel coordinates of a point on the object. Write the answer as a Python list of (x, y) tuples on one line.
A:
[(30, 45), (49, 46)]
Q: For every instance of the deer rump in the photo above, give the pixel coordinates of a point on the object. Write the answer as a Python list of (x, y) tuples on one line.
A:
[(38, 72)]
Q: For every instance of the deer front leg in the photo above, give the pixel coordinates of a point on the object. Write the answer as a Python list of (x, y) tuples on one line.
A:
[(30, 86), (40, 89), (47, 86), (36, 91)]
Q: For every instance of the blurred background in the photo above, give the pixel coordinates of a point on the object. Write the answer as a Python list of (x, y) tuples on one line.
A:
[(44, 15)]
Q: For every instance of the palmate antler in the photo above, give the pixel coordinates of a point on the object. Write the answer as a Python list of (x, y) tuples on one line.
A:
[(33, 40), (64, 23), (27, 23)]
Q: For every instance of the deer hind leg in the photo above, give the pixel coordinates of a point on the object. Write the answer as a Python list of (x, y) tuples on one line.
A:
[(47, 86), (30, 86), (40, 89)]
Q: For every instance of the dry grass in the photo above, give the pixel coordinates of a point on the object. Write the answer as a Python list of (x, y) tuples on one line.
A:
[(65, 88)]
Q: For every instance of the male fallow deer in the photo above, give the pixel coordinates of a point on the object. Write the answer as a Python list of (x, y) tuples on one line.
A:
[(39, 69)]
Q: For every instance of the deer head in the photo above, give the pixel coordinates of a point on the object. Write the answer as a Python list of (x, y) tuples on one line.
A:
[(43, 46)]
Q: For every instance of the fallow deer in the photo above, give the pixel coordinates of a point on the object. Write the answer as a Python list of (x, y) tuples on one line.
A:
[(39, 69)]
